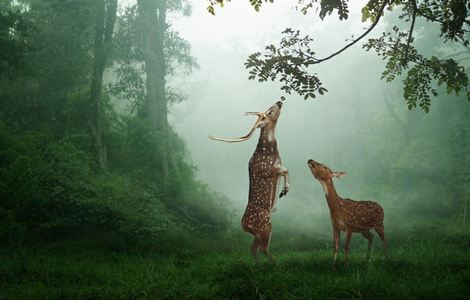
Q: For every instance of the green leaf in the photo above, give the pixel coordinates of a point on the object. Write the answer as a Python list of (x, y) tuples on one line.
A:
[(365, 13), (211, 10)]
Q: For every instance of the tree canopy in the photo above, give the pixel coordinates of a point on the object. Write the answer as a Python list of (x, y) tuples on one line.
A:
[(292, 59)]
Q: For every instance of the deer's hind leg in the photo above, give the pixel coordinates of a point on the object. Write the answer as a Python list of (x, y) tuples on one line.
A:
[(370, 237), (336, 240), (380, 232), (255, 246), (346, 246), (264, 247), (247, 226)]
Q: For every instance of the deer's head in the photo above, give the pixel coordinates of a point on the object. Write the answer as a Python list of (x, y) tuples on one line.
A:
[(322, 172), (267, 119)]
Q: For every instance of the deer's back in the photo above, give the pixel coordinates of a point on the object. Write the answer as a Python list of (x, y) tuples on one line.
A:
[(361, 215)]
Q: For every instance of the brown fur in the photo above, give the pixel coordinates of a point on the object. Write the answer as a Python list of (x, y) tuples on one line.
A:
[(348, 215), (265, 170)]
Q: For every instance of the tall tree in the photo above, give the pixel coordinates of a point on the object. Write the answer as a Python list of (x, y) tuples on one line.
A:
[(152, 21), (147, 52), (105, 19)]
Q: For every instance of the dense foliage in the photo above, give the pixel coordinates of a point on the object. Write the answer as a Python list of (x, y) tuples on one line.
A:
[(423, 173), (292, 60), (98, 199), (51, 186)]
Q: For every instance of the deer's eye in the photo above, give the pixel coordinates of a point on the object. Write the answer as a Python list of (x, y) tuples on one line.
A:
[(270, 112), (324, 167)]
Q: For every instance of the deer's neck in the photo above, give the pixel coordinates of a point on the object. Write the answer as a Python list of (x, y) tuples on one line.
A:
[(332, 197), (267, 140)]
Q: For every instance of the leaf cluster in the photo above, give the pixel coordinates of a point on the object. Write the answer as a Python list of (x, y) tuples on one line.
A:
[(221, 3), (422, 73), (451, 15), (324, 8), (289, 61)]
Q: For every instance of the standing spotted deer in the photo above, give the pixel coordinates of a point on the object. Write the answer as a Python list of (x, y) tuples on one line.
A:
[(348, 215), (265, 171)]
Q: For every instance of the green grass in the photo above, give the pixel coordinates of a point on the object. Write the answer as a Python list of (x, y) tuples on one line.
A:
[(418, 269)]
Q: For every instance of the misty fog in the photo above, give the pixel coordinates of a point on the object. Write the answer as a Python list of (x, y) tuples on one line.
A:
[(110, 187), (329, 129)]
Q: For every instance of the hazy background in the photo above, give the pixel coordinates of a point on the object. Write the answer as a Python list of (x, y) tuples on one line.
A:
[(220, 93), (414, 164), (337, 128), (102, 198)]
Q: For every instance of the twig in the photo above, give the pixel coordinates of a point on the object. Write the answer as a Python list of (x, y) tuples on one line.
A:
[(434, 19), (410, 33), (379, 14)]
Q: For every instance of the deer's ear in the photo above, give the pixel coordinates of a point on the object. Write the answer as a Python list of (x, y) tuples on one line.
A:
[(338, 174)]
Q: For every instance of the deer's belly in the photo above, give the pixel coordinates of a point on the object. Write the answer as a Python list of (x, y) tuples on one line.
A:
[(263, 192), (345, 224), (361, 225)]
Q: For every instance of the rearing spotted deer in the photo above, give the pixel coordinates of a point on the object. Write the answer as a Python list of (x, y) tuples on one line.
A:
[(348, 215), (265, 171)]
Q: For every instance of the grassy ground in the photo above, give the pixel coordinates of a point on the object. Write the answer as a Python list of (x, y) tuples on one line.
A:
[(418, 269)]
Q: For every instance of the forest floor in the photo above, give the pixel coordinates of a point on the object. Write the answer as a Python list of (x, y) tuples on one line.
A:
[(418, 269)]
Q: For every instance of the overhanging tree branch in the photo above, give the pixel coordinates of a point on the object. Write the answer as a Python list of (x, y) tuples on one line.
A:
[(376, 21), (289, 61), (410, 33), (433, 18)]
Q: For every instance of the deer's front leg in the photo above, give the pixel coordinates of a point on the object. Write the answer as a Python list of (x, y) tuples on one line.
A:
[(279, 171), (336, 238), (285, 174)]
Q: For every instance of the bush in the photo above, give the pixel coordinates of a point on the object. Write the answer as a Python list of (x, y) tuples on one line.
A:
[(49, 191)]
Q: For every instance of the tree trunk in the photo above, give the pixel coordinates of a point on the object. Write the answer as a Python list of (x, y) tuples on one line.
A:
[(105, 19), (463, 172), (152, 15)]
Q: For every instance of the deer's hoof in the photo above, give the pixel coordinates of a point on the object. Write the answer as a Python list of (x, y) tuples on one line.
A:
[(284, 192)]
